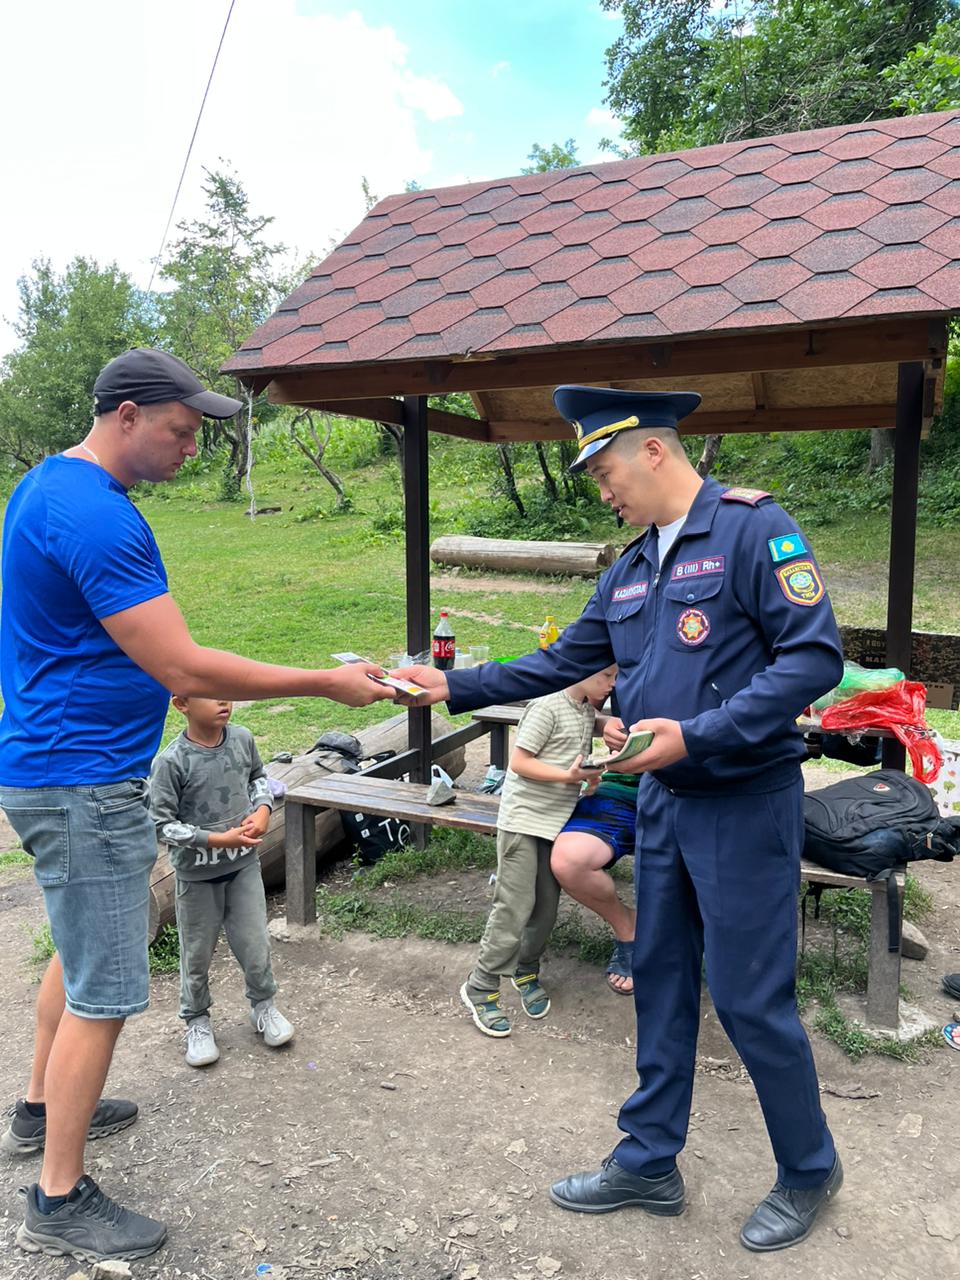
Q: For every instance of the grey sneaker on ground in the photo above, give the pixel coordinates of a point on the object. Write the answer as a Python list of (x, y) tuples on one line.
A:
[(202, 1048), (28, 1133), (90, 1226), (267, 1019)]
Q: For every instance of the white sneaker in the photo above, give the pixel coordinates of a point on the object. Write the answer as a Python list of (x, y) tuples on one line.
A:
[(201, 1046), (270, 1023)]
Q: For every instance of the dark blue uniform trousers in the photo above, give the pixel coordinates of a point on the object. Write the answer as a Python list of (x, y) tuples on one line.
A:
[(718, 878)]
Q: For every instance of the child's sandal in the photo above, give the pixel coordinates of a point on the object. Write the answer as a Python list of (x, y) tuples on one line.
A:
[(487, 1012), (536, 1002)]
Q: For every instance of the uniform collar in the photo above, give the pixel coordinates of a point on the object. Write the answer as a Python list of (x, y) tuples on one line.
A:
[(699, 519)]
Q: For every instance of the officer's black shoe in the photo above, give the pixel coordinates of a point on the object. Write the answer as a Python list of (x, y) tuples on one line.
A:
[(787, 1215), (951, 984), (613, 1187)]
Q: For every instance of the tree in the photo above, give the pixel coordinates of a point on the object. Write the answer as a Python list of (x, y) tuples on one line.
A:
[(306, 437), (560, 155), (227, 283), (686, 73), (69, 326)]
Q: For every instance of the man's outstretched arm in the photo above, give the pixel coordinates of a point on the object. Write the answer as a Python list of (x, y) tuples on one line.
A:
[(155, 636)]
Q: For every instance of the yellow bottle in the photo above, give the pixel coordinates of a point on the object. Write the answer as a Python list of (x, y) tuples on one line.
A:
[(549, 632)]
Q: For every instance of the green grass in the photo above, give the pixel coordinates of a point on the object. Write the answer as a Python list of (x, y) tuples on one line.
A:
[(15, 858), (291, 590)]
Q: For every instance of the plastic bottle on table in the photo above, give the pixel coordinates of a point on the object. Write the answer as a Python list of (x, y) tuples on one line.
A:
[(549, 632), (444, 644)]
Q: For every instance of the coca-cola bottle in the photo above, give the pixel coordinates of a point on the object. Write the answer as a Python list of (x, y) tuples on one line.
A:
[(444, 644)]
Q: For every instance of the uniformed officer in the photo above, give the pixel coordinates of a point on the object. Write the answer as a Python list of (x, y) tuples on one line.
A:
[(719, 621)]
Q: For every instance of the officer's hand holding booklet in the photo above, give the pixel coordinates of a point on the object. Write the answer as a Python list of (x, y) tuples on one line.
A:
[(402, 686), (634, 745)]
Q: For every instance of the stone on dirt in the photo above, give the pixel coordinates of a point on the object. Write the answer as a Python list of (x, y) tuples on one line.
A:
[(913, 944)]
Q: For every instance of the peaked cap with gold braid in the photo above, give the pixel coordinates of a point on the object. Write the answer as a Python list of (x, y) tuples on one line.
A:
[(597, 414)]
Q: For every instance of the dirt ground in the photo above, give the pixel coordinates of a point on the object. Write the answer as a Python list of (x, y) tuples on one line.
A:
[(391, 1141)]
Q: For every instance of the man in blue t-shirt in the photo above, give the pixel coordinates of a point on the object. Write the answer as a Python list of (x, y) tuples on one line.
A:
[(91, 646)]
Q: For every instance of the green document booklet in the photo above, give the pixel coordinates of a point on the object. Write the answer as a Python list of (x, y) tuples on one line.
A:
[(635, 743)]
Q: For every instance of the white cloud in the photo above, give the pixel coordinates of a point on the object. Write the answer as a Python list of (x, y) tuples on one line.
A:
[(303, 106), (601, 118), (498, 68)]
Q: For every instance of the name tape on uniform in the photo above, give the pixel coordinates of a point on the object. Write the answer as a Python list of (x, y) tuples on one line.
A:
[(697, 568), (632, 592)]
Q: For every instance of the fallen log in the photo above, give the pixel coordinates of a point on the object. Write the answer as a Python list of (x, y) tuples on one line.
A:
[(388, 735), (509, 556)]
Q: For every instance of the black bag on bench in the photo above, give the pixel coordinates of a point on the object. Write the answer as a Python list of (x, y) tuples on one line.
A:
[(871, 827)]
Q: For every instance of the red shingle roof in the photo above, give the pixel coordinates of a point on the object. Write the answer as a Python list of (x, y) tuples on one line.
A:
[(860, 220)]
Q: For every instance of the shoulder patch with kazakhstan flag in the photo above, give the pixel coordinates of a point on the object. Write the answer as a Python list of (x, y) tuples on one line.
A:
[(786, 547), (801, 583)]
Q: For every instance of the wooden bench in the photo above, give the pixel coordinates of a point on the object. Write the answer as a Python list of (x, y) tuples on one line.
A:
[(407, 801)]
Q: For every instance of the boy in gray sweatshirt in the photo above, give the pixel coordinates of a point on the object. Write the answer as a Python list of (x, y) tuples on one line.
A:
[(211, 802)]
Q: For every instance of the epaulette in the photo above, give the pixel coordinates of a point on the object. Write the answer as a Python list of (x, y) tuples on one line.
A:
[(750, 496), (632, 543)]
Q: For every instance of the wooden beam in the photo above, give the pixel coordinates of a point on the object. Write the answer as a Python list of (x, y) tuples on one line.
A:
[(759, 391), (416, 490), (728, 422), (385, 409), (880, 341), (903, 532)]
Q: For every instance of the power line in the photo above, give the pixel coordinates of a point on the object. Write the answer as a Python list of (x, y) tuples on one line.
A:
[(193, 138)]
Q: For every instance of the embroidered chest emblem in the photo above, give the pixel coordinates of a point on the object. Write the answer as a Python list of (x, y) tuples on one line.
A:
[(635, 591), (801, 582), (693, 626)]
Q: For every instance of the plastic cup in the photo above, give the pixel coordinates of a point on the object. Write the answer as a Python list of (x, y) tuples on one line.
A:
[(479, 653)]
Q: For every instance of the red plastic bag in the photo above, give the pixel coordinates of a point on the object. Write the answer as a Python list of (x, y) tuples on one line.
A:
[(900, 709)]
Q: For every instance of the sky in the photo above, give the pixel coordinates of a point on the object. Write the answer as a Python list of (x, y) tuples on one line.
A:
[(99, 99)]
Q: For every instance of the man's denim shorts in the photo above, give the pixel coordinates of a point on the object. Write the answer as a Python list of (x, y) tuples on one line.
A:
[(610, 814), (93, 849)]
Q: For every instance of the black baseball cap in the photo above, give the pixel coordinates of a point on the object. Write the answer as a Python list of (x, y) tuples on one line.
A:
[(147, 376)]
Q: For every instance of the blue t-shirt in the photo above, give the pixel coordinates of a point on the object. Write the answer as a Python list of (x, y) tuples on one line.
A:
[(77, 711)]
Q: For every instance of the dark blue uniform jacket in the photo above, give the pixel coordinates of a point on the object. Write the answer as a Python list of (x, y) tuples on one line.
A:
[(733, 636)]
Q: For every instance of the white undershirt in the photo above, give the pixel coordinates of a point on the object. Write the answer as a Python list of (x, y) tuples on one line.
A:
[(667, 536)]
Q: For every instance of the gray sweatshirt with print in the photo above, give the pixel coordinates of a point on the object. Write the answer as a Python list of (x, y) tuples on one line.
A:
[(195, 790)]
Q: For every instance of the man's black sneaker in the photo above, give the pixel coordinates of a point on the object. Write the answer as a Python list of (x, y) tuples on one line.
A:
[(787, 1214), (27, 1133), (613, 1187), (90, 1226), (951, 984)]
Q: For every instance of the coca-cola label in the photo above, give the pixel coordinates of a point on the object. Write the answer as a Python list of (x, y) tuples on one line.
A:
[(444, 647)]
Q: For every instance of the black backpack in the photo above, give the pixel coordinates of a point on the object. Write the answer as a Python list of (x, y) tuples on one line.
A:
[(872, 826)]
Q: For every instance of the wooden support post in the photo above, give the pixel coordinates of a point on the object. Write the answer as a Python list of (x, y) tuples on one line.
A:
[(903, 532), (883, 973), (300, 834), (499, 742), (416, 488)]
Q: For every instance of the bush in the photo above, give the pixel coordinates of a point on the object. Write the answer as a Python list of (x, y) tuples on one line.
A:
[(545, 520)]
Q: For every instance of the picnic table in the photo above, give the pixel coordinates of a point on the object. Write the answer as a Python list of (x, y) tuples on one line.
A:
[(368, 793)]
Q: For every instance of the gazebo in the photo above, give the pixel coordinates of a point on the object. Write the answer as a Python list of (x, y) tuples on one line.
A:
[(798, 282)]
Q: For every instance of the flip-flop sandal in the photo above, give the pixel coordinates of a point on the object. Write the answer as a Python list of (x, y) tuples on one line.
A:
[(951, 1033), (621, 966)]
